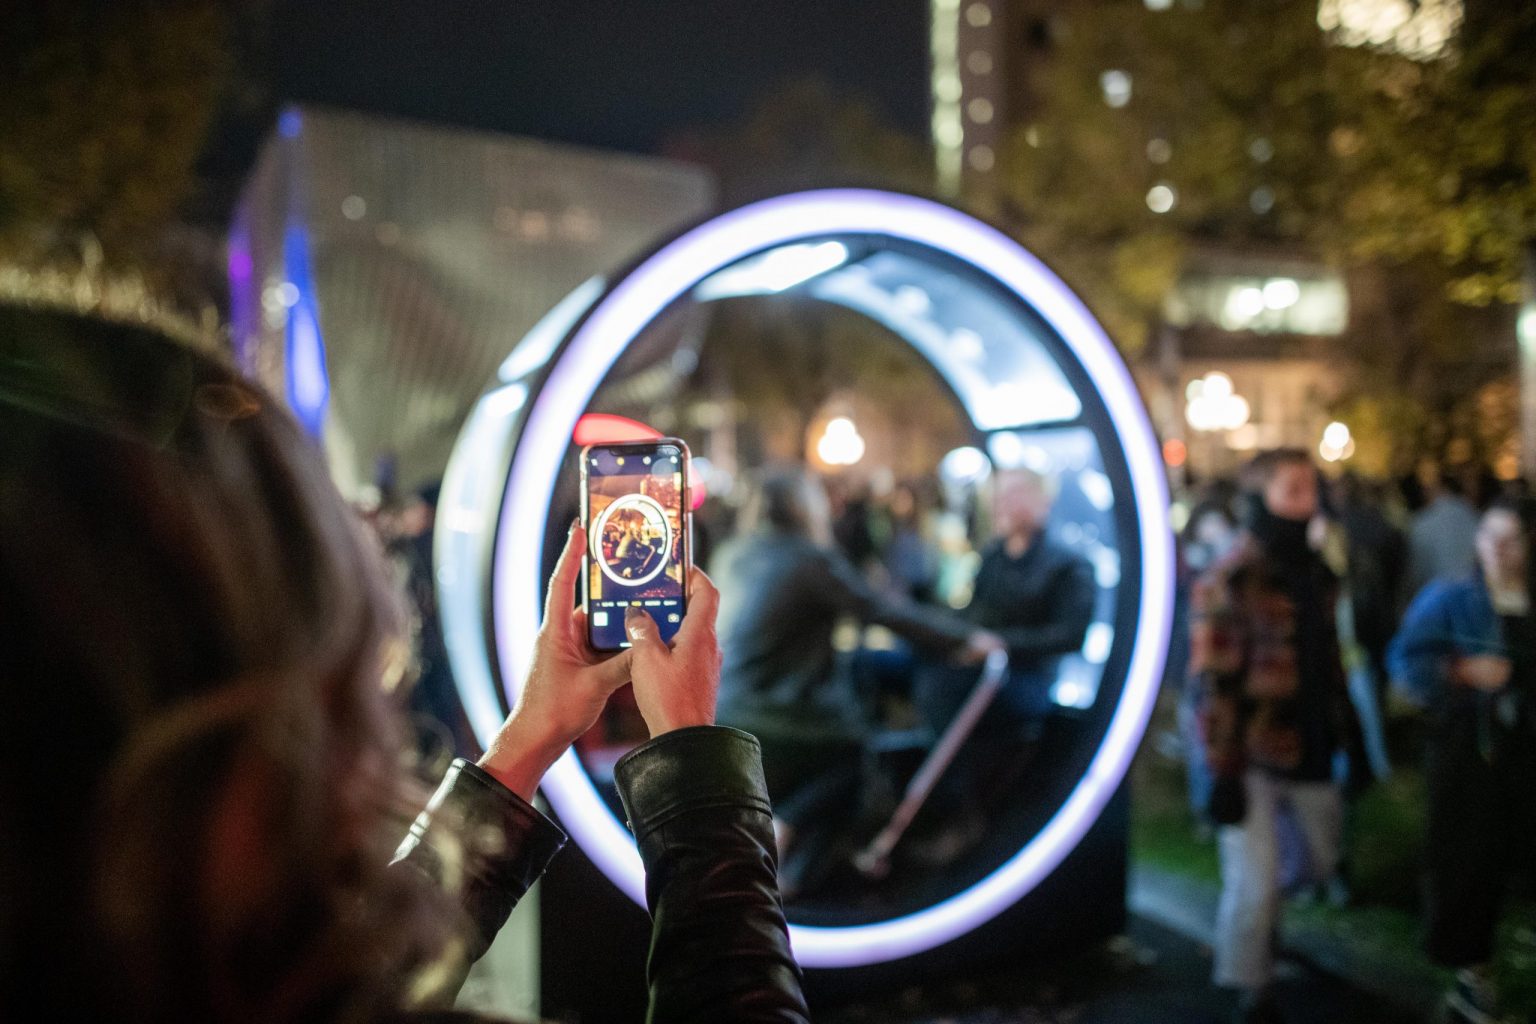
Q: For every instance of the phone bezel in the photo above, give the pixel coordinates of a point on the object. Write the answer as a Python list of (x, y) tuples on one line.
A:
[(685, 517)]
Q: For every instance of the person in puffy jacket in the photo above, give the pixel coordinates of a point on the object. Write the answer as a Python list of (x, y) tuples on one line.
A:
[(1273, 711), (204, 785)]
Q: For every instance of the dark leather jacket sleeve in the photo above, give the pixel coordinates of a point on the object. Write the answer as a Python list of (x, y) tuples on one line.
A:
[(484, 843), (699, 810)]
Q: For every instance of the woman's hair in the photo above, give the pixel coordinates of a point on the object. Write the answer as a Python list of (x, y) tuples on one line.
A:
[(203, 762)]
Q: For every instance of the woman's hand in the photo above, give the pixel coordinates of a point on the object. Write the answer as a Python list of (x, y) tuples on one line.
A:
[(1487, 672), (675, 686), (567, 687)]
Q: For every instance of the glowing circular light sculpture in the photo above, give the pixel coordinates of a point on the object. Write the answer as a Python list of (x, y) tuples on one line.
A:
[(599, 328), (655, 518)]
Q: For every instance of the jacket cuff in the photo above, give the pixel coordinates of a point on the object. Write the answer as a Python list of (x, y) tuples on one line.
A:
[(505, 843), (688, 769)]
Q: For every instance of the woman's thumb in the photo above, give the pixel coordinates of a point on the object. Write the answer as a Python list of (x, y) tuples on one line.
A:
[(643, 634)]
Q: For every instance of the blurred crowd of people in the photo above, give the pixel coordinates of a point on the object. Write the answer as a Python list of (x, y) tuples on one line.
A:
[(1308, 610), (798, 569), (1312, 612)]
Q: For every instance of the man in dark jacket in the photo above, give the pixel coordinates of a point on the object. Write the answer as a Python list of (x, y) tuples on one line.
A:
[(1273, 710), (1031, 592), (1036, 597)]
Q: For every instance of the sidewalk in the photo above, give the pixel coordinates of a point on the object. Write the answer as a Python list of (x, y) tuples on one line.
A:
[(1318, 941), (1152, 975)]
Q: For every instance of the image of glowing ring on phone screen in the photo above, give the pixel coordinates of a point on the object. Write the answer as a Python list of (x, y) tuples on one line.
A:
[(636, 556)]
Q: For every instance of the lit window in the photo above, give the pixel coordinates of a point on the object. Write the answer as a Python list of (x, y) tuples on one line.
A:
[(979, 15), (947, 132), (982, 158), (1415, 28), (980, 110)]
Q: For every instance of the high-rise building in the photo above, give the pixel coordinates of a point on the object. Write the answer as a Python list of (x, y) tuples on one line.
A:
[(1254, 315), (968, 92)]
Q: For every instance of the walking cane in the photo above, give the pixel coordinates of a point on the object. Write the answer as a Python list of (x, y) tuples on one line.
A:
[(874, 861)]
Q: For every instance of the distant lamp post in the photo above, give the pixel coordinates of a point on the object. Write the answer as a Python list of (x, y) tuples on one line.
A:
[(840, 443), (1116, 85), (1337, 443), (966, 465), (1161, 197), (1212, 404)]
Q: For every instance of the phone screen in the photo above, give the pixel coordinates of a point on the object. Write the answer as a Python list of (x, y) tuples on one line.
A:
[(637, 537)]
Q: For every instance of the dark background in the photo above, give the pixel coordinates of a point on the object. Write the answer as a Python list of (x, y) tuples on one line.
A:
[(623, 74), (635, 75)]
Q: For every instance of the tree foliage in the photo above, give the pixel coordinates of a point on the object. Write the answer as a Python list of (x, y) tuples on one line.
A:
[(1415, 178), (1443, 158), (1225, 100), (105, 109), (783, 360), (805, 133)]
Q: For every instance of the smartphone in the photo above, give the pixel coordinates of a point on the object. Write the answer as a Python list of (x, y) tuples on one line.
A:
[(634, 504)]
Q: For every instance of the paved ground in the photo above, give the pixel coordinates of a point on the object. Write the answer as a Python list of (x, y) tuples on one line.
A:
[(1151, 975)]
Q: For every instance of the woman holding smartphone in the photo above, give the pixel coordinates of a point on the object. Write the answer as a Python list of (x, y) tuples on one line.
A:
[(204, 781)]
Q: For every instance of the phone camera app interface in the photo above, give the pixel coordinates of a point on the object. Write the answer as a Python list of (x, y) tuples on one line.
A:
[(634, 512)]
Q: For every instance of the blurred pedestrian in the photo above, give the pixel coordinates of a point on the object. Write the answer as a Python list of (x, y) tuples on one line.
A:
[(911, 560), (1467, 653), (1376, 558), (852, 528), (1440, 537), (433, 699), (1274, 710), (1208, 536)]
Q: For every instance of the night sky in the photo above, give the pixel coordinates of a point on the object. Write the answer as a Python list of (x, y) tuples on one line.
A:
[(623, 74)]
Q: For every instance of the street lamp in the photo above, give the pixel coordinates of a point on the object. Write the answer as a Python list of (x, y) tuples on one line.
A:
[(1214, 405), (840, 443), (1337, 444)]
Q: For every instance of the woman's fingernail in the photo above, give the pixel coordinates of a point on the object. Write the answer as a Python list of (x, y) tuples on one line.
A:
[(575, 524), (634, 623)]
